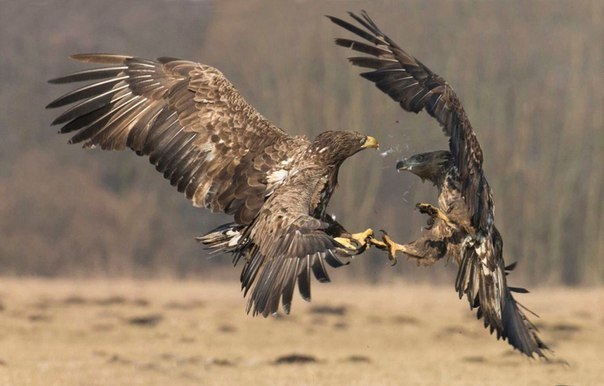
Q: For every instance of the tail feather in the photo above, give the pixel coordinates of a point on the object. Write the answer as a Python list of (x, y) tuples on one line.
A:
[(267, 281), (519, 331), (486, 290), (225, 238)]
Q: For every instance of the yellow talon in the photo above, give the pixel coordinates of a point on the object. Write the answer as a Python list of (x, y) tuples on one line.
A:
[(392, 248), (387, 244), (356, 241), (434, 212), (362, 237), (346, 242)]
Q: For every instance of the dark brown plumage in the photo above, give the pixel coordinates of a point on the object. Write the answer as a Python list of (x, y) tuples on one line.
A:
[(462, 228), (213, 146)]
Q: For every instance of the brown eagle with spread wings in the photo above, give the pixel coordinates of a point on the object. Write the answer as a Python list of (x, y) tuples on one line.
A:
[(223, 155), (462, 228)]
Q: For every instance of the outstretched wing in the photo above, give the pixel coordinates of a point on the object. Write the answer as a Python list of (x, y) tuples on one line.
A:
[(417, 88), (482, 279), (481, 275), (188, 118)]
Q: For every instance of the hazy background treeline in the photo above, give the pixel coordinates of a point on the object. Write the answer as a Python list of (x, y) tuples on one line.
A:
[(528, 72)]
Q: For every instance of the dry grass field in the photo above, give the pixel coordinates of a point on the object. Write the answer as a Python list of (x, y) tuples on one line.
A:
[(119, 332)]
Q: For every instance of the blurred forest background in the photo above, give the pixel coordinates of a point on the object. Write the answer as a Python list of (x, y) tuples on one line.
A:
[(530, 74)]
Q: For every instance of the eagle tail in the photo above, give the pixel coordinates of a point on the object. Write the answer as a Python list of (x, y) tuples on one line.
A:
[(487, 292), (519, 331), (277, 279)]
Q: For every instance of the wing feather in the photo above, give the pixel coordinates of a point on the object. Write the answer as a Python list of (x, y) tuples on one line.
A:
[(482, 276), (318, 268), (290, 284), (415, 87), (482, 280), (187, 117), (291, 246), (91, 74)]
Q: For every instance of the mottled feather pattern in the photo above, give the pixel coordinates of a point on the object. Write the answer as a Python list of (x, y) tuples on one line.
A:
[(470, 238), (415, 87), (292, 237), (482, 276), (494, 303), (187, 117), (223, 155)]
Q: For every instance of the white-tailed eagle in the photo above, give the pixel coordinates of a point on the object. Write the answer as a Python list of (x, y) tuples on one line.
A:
[(201, 134), (462, 227)]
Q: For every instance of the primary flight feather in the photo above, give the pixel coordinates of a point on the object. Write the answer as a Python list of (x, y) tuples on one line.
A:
[(201, 134), (462, 228)]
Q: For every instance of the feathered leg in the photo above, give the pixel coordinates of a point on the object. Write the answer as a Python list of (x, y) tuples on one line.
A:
[(423, 251)]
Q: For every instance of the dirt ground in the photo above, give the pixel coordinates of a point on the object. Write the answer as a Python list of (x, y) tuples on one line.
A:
[(120, 332)]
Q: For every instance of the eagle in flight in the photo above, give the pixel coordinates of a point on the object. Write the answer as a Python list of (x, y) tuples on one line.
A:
[(202, 135), (462, 227)]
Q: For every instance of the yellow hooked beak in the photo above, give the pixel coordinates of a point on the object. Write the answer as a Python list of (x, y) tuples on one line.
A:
[(370, 142)]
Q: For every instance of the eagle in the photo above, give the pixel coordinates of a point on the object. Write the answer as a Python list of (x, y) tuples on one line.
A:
[(214, 147), (462, 227)]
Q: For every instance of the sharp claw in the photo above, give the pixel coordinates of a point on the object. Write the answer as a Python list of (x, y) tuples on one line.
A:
[(387, 245), (429, 223), (392, 248)]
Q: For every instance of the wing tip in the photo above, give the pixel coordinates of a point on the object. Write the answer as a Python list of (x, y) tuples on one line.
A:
[(101, 58), (54, 81)]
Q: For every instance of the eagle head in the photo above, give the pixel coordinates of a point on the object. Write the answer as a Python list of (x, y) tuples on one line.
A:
[(336, 146), (427, 166)]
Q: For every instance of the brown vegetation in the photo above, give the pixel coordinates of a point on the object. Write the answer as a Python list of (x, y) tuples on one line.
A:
[(129, 332), (529, 74)]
